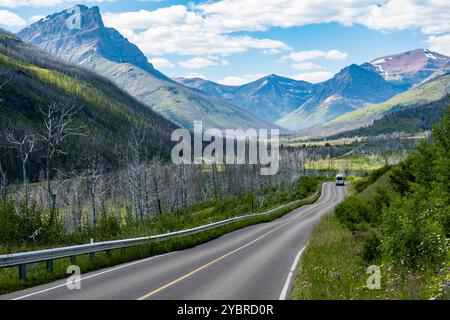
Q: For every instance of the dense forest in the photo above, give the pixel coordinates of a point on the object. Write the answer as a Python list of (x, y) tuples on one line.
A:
[(411, 120), (398, 220), (98, 117)]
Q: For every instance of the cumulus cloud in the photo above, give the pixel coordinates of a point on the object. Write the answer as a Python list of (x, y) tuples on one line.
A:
[(440, 43), (240, 80), (301, 56), (10, 19), (194, 75), (306, 66), (197, 63), (176, 30), (161, 63), (40, 3), (313, 77)]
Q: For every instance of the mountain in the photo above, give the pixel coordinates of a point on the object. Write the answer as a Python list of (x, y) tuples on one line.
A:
[(79, 35), (441, 72), (410, 120), (270, 97), (31, 80), (352, 88), (425, 93), (408, 69)]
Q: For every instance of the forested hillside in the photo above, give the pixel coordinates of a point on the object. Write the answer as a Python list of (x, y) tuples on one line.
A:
[(421, 118), (102, 117), (397, 219)]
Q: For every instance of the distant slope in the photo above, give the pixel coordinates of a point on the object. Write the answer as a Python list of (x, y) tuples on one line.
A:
[(352, 88), (410, 120), (409, 68), (79, 35), (33, 79), (428, 92), (270, 97)]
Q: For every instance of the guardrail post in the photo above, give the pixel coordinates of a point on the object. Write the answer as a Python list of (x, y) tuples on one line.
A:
[(73, 259), (50, 266), (91, 255), (23, 271), (108, 253)]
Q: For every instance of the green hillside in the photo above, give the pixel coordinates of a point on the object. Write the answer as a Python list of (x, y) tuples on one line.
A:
[(410, 120), (32, 80), (425, 93)]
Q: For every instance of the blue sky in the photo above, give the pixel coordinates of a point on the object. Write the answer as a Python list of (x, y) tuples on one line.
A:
[(237, 41)]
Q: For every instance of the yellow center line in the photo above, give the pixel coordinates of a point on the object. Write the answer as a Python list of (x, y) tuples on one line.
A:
[(170, 284), (148, 295)]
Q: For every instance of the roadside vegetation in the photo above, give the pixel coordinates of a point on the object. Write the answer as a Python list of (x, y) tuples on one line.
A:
[(398, 218), (16, 228)]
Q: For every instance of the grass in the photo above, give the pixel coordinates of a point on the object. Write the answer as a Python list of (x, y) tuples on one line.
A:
[(333, 265), (36, 273), (428, 92), (332, 268)]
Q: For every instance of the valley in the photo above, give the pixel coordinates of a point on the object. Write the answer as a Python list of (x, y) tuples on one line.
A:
[(102, 159)]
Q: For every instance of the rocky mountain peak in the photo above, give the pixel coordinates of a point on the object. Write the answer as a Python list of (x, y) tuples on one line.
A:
[(408, 68), (78, 34)]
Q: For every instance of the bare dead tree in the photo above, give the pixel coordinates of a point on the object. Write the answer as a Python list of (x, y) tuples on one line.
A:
[(59, 126), (25, 146), (3, 183), (156, 178), (6, 75), (136, 175), (94, 175)]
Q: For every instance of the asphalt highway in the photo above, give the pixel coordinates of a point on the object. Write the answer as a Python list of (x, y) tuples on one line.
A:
[(254, 263)]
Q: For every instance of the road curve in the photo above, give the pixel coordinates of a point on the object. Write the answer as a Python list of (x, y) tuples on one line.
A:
[(253, 263)]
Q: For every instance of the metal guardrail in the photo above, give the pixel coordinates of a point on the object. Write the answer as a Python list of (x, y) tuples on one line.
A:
[(48, 255)]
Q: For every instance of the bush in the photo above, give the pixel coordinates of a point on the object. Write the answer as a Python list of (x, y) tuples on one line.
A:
[(356, 214), (371, 248), (413, 232), (361, 184), (20, 225)]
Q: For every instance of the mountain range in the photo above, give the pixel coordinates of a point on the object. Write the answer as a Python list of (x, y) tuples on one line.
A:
[(354, 96), (78, 35), (31, 80)]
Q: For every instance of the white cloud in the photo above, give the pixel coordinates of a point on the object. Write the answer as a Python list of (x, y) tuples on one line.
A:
[(194, 75), (440, 43), (196, 29), (10, 19), (313, 77), (306, 66), (430, 16), (240, 80), (40, 3), (259, 15), (33, 19), (161, 63), (301, 56), (197, 63), (178, 30)]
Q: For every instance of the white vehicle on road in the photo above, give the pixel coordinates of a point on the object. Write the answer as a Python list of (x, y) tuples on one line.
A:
[(340, 180)]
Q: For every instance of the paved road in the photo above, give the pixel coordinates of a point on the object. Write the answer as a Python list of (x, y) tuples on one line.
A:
[(256, 262)]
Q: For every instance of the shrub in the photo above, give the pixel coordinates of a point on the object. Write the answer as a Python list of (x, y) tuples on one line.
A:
[(372, 248), (356, 214), (22, 225), (413, 233)]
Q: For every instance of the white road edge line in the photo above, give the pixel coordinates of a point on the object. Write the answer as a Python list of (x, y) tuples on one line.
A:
[(92, 276), (284, 292), (287, 284), (141, 261)]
